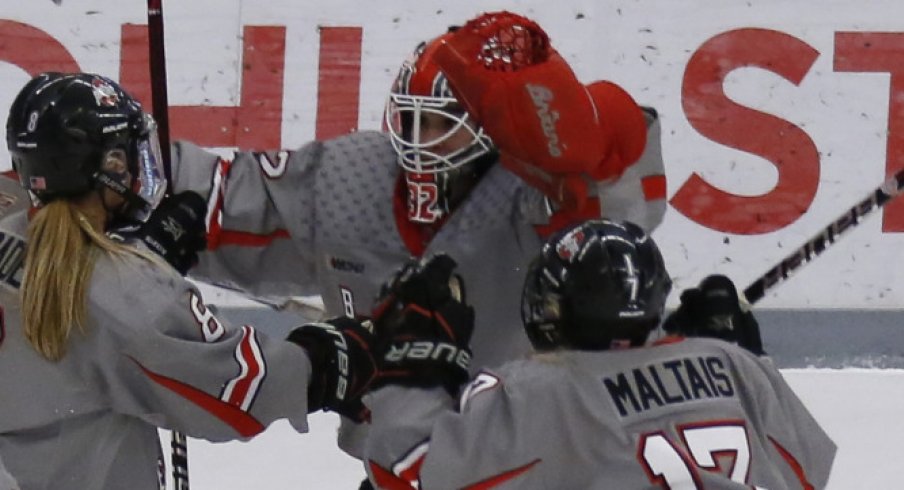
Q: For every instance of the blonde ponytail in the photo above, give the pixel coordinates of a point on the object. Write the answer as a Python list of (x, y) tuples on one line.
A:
[(60, 256)]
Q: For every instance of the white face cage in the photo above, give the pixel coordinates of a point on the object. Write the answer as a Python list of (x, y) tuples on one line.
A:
[(415, 155)]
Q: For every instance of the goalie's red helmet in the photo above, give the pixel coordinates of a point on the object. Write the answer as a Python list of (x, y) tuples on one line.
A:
[(595, 286), (421, 88), (69, 133), (437, 143)]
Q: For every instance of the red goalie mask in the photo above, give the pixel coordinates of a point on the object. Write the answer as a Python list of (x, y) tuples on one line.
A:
[(439, 147)]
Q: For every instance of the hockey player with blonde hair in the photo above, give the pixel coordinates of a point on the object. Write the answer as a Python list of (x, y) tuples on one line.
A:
[(102, 341)]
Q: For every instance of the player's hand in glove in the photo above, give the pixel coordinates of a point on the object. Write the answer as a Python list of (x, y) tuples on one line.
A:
[(713, 309), (342, 365), (176, 230), (424, 326)]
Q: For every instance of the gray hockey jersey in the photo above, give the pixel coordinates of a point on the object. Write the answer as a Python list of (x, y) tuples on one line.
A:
[(153, 355), (693, 414)]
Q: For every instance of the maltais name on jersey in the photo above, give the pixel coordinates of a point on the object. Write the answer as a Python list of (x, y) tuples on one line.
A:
[(669, 382)]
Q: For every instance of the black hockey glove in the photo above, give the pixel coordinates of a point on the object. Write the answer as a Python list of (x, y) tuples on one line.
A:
[(424, 327), (713, 309), (176, 230), (343, 366)]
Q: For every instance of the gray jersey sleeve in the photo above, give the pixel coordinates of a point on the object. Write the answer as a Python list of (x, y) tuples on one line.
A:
[(256, 202), (157, 352)]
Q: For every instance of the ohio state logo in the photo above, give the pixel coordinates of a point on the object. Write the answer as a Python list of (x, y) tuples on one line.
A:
[(570, 244), (104, 93)]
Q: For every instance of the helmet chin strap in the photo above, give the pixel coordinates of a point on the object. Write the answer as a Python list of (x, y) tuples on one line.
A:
[(130, 199), (113, 212)]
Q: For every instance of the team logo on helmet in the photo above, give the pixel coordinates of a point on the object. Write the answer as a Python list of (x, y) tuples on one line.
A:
[(570, 244), (104, 93)]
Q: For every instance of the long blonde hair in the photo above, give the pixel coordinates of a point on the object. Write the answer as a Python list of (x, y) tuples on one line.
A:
[(60, 256)]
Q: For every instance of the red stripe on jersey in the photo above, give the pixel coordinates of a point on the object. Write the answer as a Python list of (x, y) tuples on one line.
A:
[(413, 472), (794, 464), (408, 467), (385, 480), (388, 481), (243, 423), (216, 234), (669, 339), (501, 477), (246, 239), (653, 187), (241, 390), (215, 203)]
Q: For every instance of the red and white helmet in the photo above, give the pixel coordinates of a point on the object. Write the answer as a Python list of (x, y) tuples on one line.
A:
[(421, 89)]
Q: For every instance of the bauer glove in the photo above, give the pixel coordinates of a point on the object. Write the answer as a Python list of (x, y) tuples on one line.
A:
[(424, 327), (342, 365)]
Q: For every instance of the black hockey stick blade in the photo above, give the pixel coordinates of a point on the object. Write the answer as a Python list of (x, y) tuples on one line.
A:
[(825, 238)]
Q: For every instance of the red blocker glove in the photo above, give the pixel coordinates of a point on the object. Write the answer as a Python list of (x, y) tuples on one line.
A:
[(544, 121), (342, 363), (423, 326)]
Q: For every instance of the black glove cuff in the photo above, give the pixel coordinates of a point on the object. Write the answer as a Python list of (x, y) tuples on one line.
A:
[(312, 343), (342, 365)]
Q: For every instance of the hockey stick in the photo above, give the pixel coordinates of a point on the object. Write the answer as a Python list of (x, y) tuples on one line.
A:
[(160, 105), (825, 237), (160, 102)]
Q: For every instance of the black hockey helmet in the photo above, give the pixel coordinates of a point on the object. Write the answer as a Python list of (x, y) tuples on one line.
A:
[(594, 286), (69, 133)]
